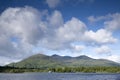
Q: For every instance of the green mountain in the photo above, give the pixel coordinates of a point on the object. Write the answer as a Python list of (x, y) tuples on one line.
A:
[(44, 61)]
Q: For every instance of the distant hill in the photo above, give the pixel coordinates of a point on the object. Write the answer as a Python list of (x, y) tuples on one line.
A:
[(45, 61)]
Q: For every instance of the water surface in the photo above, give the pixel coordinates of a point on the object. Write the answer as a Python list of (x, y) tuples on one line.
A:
[(58, 76)]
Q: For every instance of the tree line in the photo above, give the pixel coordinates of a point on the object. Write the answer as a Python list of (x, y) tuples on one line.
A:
[(95, 69)]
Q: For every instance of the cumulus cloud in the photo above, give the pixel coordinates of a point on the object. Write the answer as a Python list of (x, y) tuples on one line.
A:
[(111, 21), (63, 35), (94, 19), (114, 23), (22, 23), (101, 36), (78, 47), (23, 29), (53, 3), (103, 50), (26, 26), (19, 29), (75, 30), (56, 19), (71, 30), (6, 46)]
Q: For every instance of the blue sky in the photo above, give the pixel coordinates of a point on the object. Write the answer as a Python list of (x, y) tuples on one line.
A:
[(63, 27)]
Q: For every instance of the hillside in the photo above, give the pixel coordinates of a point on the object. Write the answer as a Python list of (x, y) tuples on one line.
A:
[(44, 61)]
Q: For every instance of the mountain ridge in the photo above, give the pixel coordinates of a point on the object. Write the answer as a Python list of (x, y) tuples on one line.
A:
[(45, 61)]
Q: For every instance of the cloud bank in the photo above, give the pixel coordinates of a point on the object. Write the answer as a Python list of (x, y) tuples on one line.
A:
[(26, 28)]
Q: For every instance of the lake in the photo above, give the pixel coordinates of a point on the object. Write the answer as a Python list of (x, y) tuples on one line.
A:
[(58, 76)]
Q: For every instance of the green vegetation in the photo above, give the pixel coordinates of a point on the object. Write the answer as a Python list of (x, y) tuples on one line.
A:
[(56, 63), (44, 61), (7, 69), (96, 69)]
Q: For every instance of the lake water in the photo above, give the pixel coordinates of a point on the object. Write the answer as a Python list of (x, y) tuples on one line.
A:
[(58, 76)]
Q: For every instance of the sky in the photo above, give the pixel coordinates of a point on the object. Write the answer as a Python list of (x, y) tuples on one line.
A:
[(62, 27)]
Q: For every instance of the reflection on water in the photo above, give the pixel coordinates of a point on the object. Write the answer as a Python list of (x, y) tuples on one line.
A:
[(59, 76)]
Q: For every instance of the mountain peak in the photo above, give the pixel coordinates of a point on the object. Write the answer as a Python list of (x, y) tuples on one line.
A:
[(84, 57), (55, 55), (39, 55)]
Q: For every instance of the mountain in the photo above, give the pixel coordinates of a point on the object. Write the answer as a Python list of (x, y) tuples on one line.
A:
[(45, 61)]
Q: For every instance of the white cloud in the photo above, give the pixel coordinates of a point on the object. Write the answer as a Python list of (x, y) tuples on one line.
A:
[(114, 23), (111, 21), (56, 19), (28, 28), (6, 46), (53, 3), (62, 36), (78, 47), (4, 60), (94, 19), (22, 23), (23, 29), (71, 30), (74, 30), (19, 30), (115, 58), (101, 36), (103, 50)]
